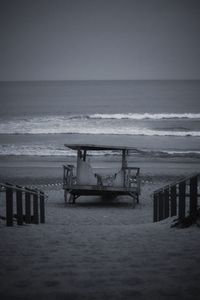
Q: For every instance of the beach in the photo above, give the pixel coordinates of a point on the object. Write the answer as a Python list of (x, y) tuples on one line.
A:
[(98, 248), (101, 99)]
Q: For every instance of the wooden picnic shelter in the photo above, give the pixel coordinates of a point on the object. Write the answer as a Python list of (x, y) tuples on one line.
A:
[(82, 179)]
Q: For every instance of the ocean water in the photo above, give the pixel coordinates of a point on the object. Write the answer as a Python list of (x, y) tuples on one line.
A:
[(155, 117)]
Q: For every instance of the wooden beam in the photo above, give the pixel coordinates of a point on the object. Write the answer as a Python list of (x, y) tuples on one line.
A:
[(19, 208), (193, 195), (173, 196), (35, 209), (155, 207), (124, 162), (84, 155), (27, 207), (161, 206), (9, 207), (77, 163), (181, 206), (42, 210), (166, 203)]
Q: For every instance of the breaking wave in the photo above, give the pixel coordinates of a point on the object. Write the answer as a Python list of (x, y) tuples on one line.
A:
[(52, 150), (99, 124), (137, 116)]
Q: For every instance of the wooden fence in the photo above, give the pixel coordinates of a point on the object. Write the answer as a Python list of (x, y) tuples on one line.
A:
[(177, 199), (23, 204)]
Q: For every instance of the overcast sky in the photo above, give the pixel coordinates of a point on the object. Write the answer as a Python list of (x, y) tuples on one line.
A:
[(99, 39)]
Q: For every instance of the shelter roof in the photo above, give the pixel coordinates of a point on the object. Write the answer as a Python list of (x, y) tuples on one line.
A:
[(97, 147)]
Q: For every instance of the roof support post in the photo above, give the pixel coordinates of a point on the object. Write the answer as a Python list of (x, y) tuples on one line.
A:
[(124, 162), (124, 165), (78, 163), (84, 155)]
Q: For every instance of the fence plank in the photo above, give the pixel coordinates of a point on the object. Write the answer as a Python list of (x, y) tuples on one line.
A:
[(193, 195), (9, 207), (171, 200), (23, 196), (42, 210), (19, 208), (35, 209), (155, 207), (166, 203), (173, 196), (181, 206), (161, 206), (27, 207)]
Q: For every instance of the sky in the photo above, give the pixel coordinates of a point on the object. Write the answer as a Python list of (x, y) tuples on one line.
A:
[(99, 39)]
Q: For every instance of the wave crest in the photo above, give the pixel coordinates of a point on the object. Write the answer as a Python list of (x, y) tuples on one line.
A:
[(52, 150), (75, 125), (137, 116)]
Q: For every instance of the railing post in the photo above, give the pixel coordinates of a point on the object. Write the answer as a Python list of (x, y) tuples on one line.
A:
[(124, 165), (23, 204), (64, 175), (155, 207), (9, 206), (160, 208), (35, 208), (19, 206), (181, 206), (42, 209), (71, 176), (193, 194), (173, 197), (166, 203), (27, 207), (138, 180)]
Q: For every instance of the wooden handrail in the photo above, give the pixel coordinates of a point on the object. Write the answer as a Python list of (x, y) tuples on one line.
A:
[(68, 167), (23, 204), (172, 198), (167, 186), (6, 185)]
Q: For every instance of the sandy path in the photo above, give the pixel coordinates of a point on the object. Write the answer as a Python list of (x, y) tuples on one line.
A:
[(97, 250)]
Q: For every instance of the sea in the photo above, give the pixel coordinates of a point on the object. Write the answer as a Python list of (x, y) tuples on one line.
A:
[(155, 117)]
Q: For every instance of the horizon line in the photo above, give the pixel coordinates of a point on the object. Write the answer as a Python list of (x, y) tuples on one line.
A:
[(64, 80)]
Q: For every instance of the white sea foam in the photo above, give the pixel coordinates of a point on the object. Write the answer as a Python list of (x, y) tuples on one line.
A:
[(179, 152), (35, 150), (52, 150), (137, 116), (74, 125), (43, 150)]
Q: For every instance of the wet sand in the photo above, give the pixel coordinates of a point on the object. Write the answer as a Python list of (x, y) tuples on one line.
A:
[(98, 249)]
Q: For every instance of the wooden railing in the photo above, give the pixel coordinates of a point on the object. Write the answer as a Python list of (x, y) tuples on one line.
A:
[(68, 176), (23, 204), (177, 199), (131, 177)]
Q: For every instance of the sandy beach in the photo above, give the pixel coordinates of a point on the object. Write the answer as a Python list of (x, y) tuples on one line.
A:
[(109, 87), (98, 249)]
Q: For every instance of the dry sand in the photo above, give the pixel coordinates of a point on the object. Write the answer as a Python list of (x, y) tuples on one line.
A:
[(98, 249)]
